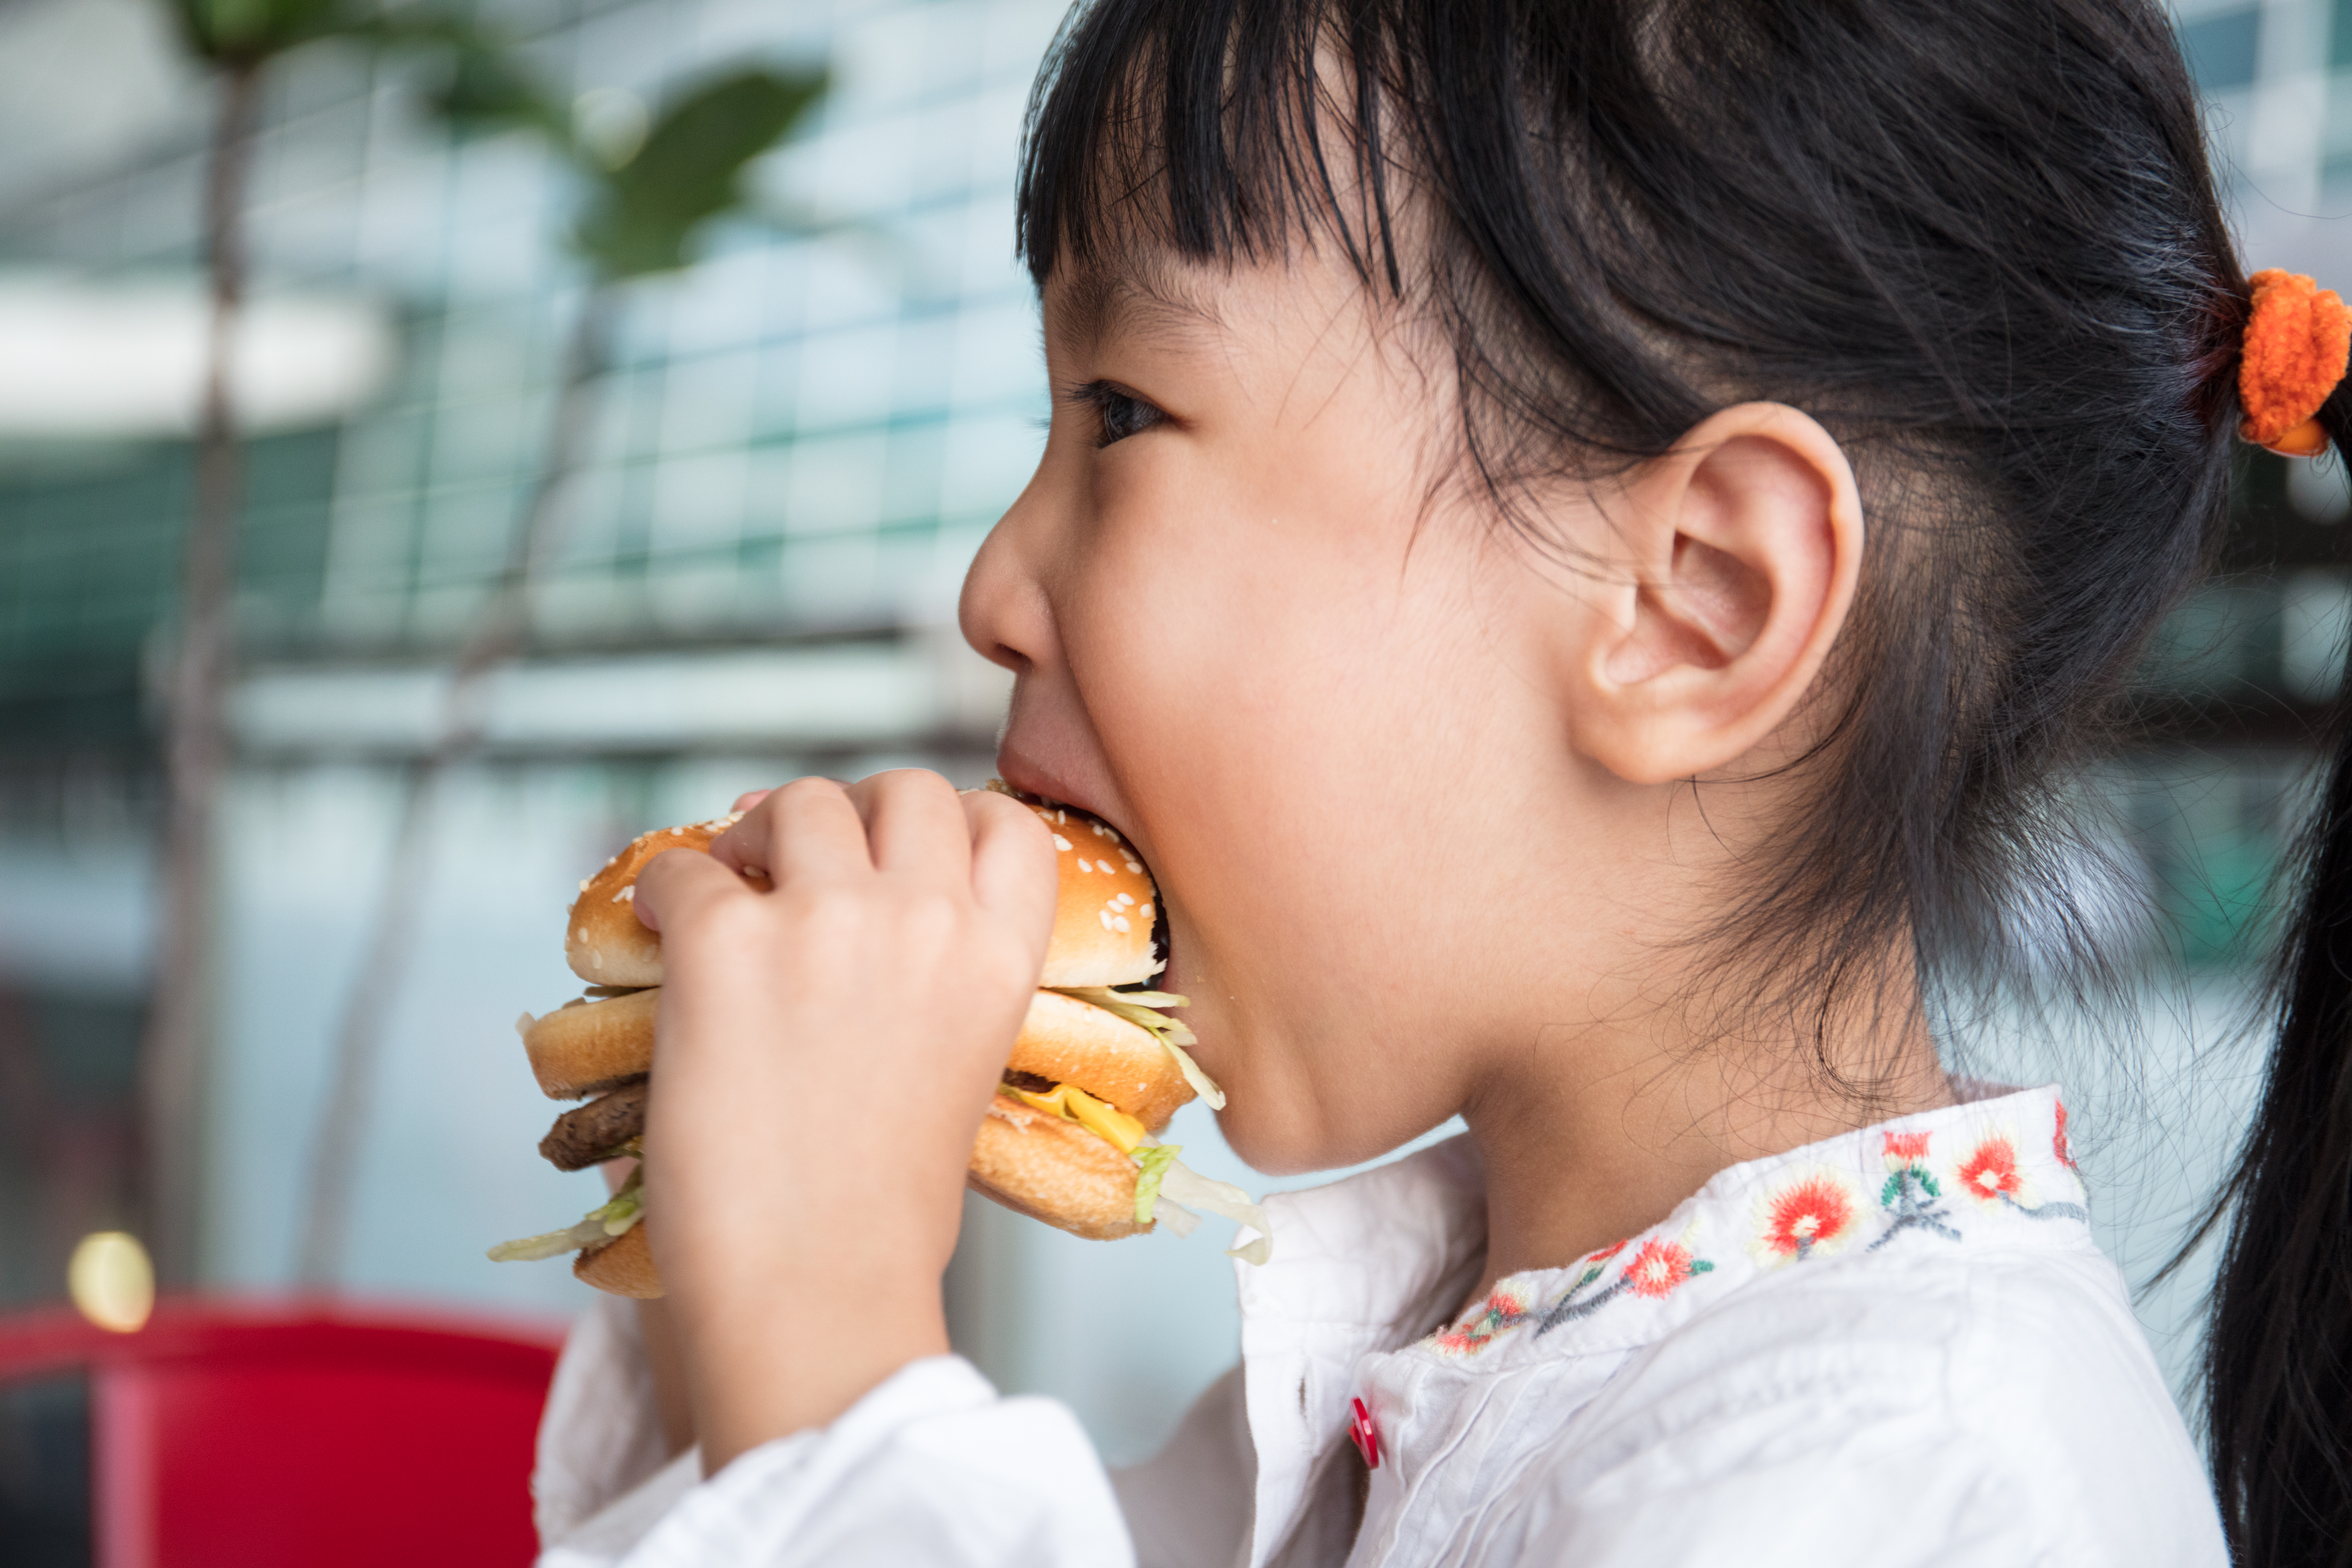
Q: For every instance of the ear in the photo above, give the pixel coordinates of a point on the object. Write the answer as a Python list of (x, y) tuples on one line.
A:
[(1746, 544)]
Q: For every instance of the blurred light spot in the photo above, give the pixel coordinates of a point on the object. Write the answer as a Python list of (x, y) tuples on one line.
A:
[(612, 122), (84, 359), (111, 1282), (2315, 624), (2319, 488)]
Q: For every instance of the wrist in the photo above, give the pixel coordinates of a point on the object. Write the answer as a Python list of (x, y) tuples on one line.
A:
[(801, 1360)]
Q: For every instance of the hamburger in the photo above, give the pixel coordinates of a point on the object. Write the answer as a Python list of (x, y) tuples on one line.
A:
[(1070, 1137)]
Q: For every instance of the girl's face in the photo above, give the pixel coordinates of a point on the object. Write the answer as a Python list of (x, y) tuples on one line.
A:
[(1256, 629)]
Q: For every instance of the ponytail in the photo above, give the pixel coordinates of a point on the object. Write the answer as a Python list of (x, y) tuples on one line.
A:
[(2278, 1356)]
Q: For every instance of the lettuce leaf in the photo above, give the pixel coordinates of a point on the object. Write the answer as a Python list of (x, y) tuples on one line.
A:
[(1140, 1008), (1153, 1162), (601, 1224), (1180, 1185)]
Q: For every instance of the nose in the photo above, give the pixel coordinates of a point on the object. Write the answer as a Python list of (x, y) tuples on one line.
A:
[(1005, 612)]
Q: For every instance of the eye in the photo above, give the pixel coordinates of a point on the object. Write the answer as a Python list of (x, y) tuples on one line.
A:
[(1119, 414)]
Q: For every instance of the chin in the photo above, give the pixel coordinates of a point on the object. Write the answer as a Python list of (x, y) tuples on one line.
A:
[(1271, 1144)]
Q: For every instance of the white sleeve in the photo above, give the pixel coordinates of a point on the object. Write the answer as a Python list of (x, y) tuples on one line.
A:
[(600, 1438), (931, 1468), (1190, 1505)]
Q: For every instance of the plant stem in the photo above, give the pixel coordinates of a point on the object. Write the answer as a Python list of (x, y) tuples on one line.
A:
[(173, 1050), (499, 633)]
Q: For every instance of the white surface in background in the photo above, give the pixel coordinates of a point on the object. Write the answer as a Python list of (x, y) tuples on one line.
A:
[(851, 694), (78, 919), (83, 359), (84, 83)]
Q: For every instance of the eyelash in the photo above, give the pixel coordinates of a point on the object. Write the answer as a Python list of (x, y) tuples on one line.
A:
[(1119, 412)]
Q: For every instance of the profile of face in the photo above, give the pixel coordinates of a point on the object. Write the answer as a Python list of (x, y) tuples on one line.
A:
[(1407, 784)]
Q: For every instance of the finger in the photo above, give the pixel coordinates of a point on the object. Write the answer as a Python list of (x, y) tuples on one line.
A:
[(749, 798), (1014, 872), (677, 882), (914, 825), (813, 831)]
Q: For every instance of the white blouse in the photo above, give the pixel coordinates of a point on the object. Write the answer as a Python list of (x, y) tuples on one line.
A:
[(1899, 1346)]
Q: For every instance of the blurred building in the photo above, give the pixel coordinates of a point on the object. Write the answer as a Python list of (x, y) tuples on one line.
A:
[(801, 443)]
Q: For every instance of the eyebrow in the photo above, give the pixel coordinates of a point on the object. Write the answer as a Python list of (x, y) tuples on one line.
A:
[(1144, 292)]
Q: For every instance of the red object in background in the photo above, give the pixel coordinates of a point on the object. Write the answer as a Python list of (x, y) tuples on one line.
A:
[(229, 1435)]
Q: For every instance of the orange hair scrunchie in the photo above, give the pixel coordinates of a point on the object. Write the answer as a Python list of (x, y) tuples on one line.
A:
[(2298, 340)]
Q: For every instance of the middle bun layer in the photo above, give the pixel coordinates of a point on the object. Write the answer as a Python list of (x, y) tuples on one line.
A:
[(1082, 1045)]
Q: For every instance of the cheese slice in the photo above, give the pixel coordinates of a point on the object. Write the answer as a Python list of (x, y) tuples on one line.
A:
[(1116, 1126)]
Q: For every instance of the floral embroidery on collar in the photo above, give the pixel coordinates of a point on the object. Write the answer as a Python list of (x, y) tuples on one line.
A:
[(1911, 1194), (1990, 1175), (1806, 1206), (1813, 1213), (1655, 1270), (1506, 1308)]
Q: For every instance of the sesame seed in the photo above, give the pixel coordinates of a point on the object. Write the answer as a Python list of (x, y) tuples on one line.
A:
[(583, 884), (1145, 911), (1136, 867), (1060, 842), (1124, 900), (1083, 867), (1104, 916), (1118, 923)]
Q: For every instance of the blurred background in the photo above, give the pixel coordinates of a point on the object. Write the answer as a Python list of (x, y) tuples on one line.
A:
[(565, 505)]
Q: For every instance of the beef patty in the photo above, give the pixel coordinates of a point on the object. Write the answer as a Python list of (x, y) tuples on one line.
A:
[(589, 1135)]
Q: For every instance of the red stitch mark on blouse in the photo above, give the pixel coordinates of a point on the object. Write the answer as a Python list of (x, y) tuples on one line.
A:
[(1366, 1434)]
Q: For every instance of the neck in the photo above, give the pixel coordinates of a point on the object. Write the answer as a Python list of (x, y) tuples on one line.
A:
[(1601, 1130)]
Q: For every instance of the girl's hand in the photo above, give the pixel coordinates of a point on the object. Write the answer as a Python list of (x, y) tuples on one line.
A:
[(827, 1049)]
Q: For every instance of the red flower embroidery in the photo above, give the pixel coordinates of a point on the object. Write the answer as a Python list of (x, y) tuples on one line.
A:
[(1906, 1148), (1504, 1310), (1658, 1268), (1813, 1212), (2058, 1143), (1606, 1253), (1992, 1172)]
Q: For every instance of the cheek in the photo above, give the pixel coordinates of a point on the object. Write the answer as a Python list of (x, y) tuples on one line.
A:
[(1286, 710)]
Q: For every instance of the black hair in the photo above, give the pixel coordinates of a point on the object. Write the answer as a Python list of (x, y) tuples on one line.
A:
[(1979, 240), (2278, 1352)]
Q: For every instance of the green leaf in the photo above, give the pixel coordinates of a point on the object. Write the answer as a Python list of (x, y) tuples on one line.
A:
[(646, 214), (488, 87), (251, 30), (1153, 1160)]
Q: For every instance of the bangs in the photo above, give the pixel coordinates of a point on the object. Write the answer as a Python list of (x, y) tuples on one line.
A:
[(1214, 129)]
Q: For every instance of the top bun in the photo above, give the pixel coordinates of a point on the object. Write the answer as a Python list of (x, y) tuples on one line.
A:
[(604, 941), (1102, 922)]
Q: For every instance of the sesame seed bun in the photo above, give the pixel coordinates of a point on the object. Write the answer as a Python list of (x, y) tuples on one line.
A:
[(604, 941), (1103, 921), (623, 1265), (1053, 1171), (593, 1044)]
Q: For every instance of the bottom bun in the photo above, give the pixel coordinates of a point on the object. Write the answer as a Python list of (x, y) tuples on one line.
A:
[(1054, 1171), (623, 1265)]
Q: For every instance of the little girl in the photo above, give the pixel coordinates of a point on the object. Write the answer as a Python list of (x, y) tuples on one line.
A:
[(1579, 538)]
